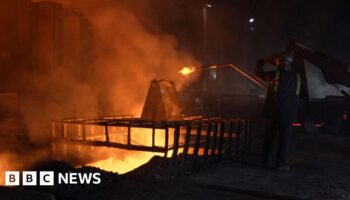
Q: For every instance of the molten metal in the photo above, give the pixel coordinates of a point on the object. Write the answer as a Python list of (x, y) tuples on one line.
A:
[(186, 70), (129, 161)]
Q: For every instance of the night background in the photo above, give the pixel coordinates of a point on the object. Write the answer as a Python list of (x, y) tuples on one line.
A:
[(225, 35), (321, 25)]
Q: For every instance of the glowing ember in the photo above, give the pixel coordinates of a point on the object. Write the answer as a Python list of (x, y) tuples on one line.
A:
[(186, 70), (129, 162), (122, 161)]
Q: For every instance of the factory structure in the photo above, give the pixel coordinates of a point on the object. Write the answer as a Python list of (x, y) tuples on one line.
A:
[(39, 38), (43, 44)]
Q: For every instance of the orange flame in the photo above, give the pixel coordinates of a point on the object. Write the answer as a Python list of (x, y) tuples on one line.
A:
[(186, 70)]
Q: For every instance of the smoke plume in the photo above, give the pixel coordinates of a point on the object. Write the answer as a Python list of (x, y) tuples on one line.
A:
[(129, 50), (129, 53)]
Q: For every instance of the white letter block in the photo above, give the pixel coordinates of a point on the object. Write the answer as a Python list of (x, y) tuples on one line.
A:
[(46, 178), (29, 178), (12, 178)]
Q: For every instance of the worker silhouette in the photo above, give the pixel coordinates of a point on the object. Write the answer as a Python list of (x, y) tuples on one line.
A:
[(281, 107)]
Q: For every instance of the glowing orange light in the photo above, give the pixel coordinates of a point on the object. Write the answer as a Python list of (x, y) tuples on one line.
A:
[(122, 165), (123, 161), (186, 70)]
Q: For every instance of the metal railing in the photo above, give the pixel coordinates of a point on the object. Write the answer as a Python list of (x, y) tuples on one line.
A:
[(198, 139)]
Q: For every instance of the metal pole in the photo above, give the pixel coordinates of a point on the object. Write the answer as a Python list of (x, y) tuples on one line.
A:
[(187, 142), (238, 137), (106, 132), (207, 142), (153, 135), (166, 146), (205, 60), (221, 139), (229, 140), (213, 146), (197, 144), (176, 143)]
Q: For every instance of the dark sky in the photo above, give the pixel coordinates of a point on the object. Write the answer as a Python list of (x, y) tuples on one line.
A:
[(323, 25)]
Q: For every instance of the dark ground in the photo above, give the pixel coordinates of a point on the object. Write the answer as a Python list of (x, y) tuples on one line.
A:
[(320, 170)]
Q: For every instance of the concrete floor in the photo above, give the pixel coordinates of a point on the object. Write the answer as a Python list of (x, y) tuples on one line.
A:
[(320, 169)]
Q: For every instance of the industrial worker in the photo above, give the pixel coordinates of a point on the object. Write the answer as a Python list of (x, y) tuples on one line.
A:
[(281, 107)]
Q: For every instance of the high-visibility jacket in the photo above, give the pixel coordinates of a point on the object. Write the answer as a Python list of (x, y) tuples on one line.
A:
[(277, 79)]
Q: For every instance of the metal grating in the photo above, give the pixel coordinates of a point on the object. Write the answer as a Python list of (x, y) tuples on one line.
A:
[(215, 137)]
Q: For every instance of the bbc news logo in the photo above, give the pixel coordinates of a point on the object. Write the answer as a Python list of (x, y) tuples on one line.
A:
[(47, 178)]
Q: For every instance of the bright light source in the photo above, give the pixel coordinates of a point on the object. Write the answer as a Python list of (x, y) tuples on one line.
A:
[(251, 20), (209, 5), (186, 70)]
